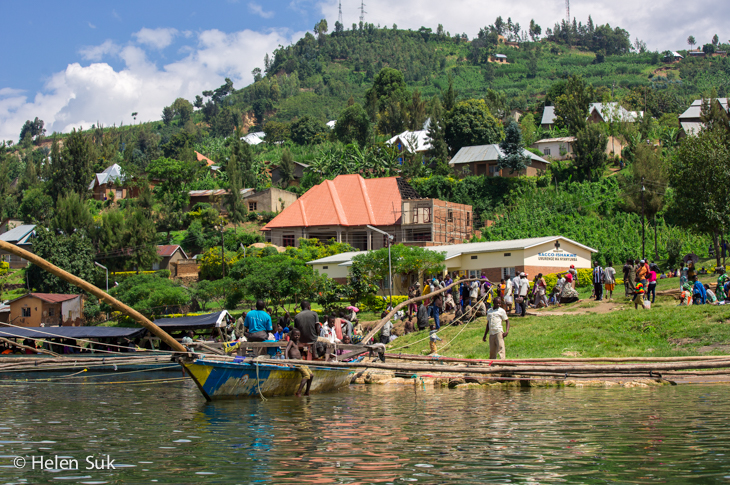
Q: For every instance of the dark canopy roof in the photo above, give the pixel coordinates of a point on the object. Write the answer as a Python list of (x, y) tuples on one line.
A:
[(209, 320), (70, 332)]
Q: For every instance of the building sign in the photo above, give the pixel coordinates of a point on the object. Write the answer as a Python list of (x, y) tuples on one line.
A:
[(557, 255)]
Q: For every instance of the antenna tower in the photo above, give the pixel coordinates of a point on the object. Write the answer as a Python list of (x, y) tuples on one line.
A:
[(362, 11), (340, 18), (567, 11)]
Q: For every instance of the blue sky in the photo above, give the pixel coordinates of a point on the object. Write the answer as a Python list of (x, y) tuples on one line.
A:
[(76, 63)]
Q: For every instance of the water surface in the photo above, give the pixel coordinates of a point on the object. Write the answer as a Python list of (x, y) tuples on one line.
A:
[(166, 433)]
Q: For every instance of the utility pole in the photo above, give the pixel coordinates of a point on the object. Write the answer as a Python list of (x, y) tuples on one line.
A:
[(340, 17), (390, 264), (223, 253), (643, 238), (567, 11), (107, 275), (362, 11)]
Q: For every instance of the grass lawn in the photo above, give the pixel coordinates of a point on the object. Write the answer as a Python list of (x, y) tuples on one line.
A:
[(14, 277)]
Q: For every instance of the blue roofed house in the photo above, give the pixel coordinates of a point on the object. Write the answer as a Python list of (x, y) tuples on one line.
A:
[(20, 236)]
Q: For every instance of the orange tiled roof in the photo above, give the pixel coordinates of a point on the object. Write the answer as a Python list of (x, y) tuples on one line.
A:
[(202, 158), (348, 200)]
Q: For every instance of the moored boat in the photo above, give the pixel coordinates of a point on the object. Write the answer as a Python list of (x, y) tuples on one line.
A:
[(220, 379)]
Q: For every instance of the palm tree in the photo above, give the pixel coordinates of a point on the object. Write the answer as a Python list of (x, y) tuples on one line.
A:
[(691, 41)]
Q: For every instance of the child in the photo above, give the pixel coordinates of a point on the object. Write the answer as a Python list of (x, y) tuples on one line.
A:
[(292, 353), (433, 337), (639, 296)]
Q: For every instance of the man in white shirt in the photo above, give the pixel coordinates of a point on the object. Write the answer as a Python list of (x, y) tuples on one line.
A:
[(516, 291), (497, 333), (609, 279), (508, 297), (524, 289)]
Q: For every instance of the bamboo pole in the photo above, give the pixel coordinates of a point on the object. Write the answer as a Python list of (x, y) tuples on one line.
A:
[(525, 369), (382, 322), (558, 360), (88, 287)]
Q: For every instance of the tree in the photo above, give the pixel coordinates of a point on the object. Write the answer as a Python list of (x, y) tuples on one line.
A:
[(389, 85), (353, 125), (206, 291), (308, 130), (571, 108), (183, 109), (287, 168), (233, 201), (715, 40), (449, 96), (168, 114), (276, 132), (471, 123), (514, 157), (691, 41), (72, 215), (31, 130), (73, 253), (150, 294), (74, 170), (36, 206), (405, 260), (438, 152), (535, 31), (700, 201), (528, 129), (140, 240), (590, 151), (249, 168)]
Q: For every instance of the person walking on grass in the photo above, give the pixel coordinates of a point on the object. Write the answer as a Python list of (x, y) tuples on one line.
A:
[(651, 280), (433, 338), (610, 279), (524, 289), (639, 296), (598, 280), (496, 316)]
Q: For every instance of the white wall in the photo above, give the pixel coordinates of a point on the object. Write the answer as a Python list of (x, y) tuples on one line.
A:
[(546, 255)]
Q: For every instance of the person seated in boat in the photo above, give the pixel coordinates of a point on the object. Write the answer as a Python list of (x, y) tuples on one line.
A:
[(307, 322), (257, 324), (292, 353), (285, 320), (328, 337), (345, 340)]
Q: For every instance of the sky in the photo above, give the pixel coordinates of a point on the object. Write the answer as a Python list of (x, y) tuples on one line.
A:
[(78, 63)]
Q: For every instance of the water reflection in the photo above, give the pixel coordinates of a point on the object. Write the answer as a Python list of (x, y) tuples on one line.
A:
[(370, 434)]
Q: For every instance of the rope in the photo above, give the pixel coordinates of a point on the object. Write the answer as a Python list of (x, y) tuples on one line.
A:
[(258, 381), (129, 383), (442, 328)]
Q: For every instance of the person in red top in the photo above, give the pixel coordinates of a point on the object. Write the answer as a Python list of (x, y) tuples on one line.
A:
[(651, 287)]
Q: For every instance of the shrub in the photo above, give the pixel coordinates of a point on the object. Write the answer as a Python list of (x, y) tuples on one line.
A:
[(4, 267), (376, 304), (585, 277)]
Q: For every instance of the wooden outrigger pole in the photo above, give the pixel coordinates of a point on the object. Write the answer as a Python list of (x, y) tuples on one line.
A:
[(97, 292)]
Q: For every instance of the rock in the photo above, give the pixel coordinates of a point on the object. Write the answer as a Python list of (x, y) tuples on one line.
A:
[(455, 382)]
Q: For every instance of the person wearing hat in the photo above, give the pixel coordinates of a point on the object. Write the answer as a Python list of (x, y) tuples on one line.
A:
[(524, 289), (639, 296), (641, 273)]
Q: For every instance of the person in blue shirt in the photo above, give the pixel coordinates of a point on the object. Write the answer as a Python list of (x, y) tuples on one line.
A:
[(699, 295), (257, 324)]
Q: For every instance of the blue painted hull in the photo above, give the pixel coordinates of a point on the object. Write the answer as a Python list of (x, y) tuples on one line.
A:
[(232, 380)]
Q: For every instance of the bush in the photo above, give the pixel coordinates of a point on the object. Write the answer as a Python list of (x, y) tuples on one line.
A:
[(585, 277), (4, 267), (376, 304)]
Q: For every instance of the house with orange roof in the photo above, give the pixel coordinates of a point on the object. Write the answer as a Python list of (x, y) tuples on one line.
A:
[(343, 208)]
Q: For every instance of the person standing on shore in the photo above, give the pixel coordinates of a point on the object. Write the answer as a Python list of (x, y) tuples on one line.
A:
[(651, 289), (524, 289), (598, 280), (632, 278), (610, 279), (497, 333)]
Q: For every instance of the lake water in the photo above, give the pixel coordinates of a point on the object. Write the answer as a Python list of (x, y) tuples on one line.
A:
[(166, 433)]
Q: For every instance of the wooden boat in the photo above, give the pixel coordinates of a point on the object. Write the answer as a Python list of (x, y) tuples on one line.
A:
[(220, 379)]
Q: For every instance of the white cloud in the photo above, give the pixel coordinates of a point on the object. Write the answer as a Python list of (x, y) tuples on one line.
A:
[(662, 25), (258, 10), (157, 38), (91, 26), (98, 52), (97, 93)]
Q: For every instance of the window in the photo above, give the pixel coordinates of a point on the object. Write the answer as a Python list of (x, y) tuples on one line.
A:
[(473, 257), (473, 273), (468, 218), (450, 217), (493, 171), (51, 312), (546, 151), (252, 206), (119, 194), (415, 215), (508, 273), (482, 169), (325, 267), (155, 266), (426, 214), (26, 312), (288, 240), (507, 255)]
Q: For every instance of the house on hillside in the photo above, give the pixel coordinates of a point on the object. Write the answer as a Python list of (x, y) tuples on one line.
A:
[(498, 58), (254, 138), (482, 160), (111, 184), (597, 113), (212, 166), (562, 148), (213, 197), (690, 122), (299, 169), (46, 309), (411, 142), (169, 254), (341, 209), (21, 236), (9, 224), (272, 199)]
